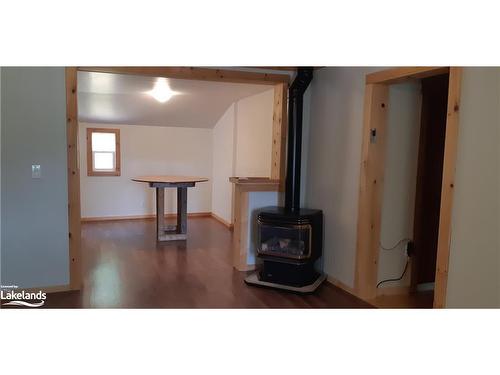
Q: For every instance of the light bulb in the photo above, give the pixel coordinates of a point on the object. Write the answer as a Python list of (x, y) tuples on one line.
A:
[(161, 91)]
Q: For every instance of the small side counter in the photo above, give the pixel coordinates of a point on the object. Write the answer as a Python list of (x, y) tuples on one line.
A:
[(249, 195)]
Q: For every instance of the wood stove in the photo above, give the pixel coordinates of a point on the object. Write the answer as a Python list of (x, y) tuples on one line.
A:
[(289, 243), (290, 238)]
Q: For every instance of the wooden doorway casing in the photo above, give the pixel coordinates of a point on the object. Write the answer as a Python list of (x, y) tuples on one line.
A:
[(278, 81), (372, 176)]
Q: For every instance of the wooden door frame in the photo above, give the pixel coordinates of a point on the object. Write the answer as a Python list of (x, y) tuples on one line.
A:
[(278, 81), (372, 176)]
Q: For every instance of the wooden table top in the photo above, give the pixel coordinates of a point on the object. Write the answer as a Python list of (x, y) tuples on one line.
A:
[(169, 179)]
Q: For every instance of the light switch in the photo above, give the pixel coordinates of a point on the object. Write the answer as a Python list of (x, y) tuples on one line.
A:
[(36, 171)]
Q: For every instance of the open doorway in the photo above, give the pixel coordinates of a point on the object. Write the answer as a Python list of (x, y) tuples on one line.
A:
[(274, 84), (416, 128), (208, 130), (423, 241), (429, 181)]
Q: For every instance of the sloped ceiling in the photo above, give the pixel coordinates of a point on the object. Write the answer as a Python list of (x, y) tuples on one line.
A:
[(122, 99)]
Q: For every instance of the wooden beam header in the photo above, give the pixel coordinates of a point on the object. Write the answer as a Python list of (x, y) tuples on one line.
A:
[(201, 74), (398, 75)]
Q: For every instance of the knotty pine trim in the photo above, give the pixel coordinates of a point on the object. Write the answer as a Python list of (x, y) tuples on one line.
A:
[(74, 208)]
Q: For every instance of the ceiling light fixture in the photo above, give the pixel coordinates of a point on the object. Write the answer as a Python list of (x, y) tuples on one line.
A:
[(161, 91)]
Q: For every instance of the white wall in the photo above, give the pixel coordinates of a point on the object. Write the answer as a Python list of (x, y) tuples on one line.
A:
[(239, 145), (254, 132), (306, 118), (148, 150), (474, 268), (223, 164), (336, 122), (34, 249), (400, 180), (248, 153)]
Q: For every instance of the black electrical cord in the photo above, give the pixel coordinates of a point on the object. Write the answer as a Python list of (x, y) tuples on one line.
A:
[(400, 277), (396, 245)]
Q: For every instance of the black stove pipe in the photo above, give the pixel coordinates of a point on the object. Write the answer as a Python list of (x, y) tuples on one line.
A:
[(295, 104)]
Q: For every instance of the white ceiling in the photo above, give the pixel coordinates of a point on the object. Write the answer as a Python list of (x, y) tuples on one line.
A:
[(121, 99)]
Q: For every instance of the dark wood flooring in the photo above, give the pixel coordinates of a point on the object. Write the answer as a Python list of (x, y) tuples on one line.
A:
[(124, 267)]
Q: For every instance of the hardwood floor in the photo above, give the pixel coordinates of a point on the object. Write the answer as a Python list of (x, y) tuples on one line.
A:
[(124, 267), (421, 300)]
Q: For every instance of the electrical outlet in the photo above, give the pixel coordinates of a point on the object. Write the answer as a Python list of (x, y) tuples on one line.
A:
[(36, 171)]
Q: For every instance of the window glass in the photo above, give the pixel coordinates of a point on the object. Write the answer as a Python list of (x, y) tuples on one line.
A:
[(104, 161), (104, 142)]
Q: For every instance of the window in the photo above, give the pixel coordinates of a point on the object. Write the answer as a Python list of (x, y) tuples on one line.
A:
[(103, 152)]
